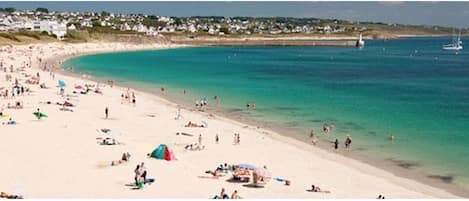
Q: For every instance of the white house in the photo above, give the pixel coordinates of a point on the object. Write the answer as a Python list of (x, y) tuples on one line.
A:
[(59, 30), (192, 28), (51, 27)]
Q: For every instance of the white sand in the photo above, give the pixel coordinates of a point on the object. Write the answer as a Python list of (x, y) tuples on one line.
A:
[(58, 157)]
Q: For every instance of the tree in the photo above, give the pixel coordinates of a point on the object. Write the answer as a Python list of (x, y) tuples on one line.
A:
[(10, 10), (224, 30), (105, 14), (42, 10), (178, 21)]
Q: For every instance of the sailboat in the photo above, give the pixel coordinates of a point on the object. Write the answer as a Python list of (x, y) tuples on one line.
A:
[(456, 45), (360, 41)]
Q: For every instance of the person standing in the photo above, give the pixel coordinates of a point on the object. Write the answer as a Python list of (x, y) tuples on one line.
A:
[(348, 141), (38, 114), (137, 174), (106, 112), (217, 139), (200, 139), (143, 172), (336, 144)]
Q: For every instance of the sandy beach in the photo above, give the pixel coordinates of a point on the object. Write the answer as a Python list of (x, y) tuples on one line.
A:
[(60, 156)]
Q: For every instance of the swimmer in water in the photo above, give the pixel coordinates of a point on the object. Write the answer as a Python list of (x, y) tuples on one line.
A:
[(391, 137)]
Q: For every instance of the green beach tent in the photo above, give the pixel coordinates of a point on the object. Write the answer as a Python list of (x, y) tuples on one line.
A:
[(159, 152), (39, 114)]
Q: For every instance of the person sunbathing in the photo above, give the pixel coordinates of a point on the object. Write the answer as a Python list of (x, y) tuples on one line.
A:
[(317, 189), (190, 124), (65, 109), (222, 195), (11, 122), (10, 196), (217, 172), (241, 175), (68, 104), (125, 158), (109, 141)]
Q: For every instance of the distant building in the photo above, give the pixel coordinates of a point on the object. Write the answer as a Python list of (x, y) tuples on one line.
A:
[(72, 27), (51, 27)]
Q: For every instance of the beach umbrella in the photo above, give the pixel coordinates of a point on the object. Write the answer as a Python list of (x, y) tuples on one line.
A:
[(262, 176), (264, 173), (246, 166), (61, 83)]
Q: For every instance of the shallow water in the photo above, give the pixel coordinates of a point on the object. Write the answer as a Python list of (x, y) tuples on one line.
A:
[(409, 87)]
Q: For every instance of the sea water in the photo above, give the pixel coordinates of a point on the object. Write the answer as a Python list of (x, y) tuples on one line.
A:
[(409, 87)]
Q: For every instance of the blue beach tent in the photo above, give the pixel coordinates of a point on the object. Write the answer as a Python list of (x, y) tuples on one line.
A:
[(61, 83)]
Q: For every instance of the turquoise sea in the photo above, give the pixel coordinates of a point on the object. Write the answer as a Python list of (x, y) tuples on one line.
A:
[(409, 87)]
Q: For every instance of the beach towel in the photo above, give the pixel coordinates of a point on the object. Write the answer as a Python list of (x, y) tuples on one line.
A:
[(208, 177), (280, 179), (39, 114)]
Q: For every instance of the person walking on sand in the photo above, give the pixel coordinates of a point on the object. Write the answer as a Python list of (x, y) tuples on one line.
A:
[(143, 172), (238, 139), (391, 137), (137, 174), (38, 114), (311, 135), (106, 112), (200, 139), (217, 138), (336, 144)]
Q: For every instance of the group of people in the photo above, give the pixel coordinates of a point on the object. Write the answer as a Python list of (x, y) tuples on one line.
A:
[(201, 104), (224, 195), (15, 91), (190, 124), (348, 142), (140, 175), (128, 97), (328, 128), (10, 196), (17, 105)]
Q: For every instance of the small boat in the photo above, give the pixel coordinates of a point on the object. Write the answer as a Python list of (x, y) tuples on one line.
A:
[(360, 41), (456, 45)]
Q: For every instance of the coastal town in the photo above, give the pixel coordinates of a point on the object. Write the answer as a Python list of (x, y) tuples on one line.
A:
[(128, 100), (61, 25)]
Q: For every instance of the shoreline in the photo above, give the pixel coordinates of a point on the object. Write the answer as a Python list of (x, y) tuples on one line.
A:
[(293, 137), (359, 169)]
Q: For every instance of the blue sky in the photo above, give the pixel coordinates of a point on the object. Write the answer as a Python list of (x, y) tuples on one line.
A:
[(454, 14)]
